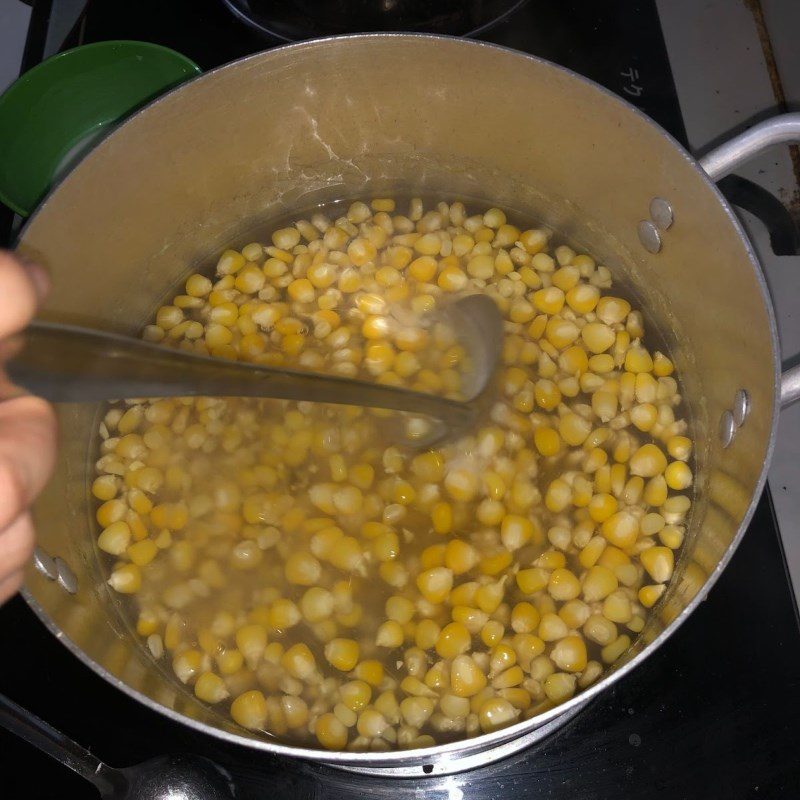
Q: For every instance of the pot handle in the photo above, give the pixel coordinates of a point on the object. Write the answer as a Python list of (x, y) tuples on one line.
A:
[(783, 129)]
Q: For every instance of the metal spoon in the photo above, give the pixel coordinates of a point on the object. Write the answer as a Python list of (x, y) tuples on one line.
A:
[(164, 778), (67, 363)]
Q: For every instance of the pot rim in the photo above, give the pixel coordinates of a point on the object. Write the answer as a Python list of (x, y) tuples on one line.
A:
[(454, 750)]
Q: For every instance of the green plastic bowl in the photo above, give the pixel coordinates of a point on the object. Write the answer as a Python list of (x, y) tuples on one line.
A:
[(57, 111)]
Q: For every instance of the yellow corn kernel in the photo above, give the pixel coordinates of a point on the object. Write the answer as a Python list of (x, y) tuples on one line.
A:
[(147, 623), (563, 585), (331, 733), (671, 536), (302, 569), (559, 686), (552, 628), (659, 562), (569, 654), (251, 640), (460, 556), (492, 632), (435, 584), (558, 495), (637, 360), (250, 710), (210, 688), (466, 677), (283, 614), (115, 538), (400, 609), (187, 665), (429, 466), (582, 298), (574, 613), (611, 652), (648, 461), (371, 723), (461, 484), (650, 595), (432, 556), (599, 582), (546, 394), (451, 279), (678, 475), (371, 672), (508, 679), (534, 241), (561, 333), (598, 337), (655, 491), (229, 661), (495, 562), (602, 506), (453, 640), (324, 541), (393, 573), (342, 654), (383, 204), (298, 661), (549, 300), (527, 647), (662, 366), (592, 551), (105, 487), (111, 511), (604, 405), (524, 618), (621, 529), (361, 475), (346, 554), (355, 695), (574, 361), (141, 553), (490, 512), (389, 634), (516, 531), (547, 440), (126, 579), (617, 607), (532, 580), (574, 429), (679, 447)]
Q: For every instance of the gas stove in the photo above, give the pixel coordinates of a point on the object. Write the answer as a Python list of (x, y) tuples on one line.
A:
[(696, 720)]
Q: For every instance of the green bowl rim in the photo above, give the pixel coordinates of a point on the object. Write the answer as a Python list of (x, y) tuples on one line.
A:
[(31, 74)]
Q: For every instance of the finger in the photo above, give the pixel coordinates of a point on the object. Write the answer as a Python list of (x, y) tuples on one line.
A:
[(22, 287), (16, 545), (11, 585), (27, 453)]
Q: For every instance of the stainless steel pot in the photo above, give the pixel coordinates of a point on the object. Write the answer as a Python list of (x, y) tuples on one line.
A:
[(368, 115)]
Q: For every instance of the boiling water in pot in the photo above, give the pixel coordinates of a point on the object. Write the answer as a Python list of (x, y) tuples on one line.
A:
[(298, 569)]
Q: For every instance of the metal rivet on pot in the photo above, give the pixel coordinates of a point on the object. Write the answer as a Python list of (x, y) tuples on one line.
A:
[(727, 428), (649, 236), (661, 213), (741, 407), (45, 564), (66, 577)]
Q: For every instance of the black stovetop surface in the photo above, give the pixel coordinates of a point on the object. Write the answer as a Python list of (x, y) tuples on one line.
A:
[(713, 714)]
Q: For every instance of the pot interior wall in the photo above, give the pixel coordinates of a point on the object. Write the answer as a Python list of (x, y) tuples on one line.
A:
[(371, 116)]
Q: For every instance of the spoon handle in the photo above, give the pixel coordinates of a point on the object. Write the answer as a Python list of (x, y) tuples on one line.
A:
[(55, 744), (67, 363)]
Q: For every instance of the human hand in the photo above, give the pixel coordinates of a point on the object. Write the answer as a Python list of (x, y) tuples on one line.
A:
[(27, 428)]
